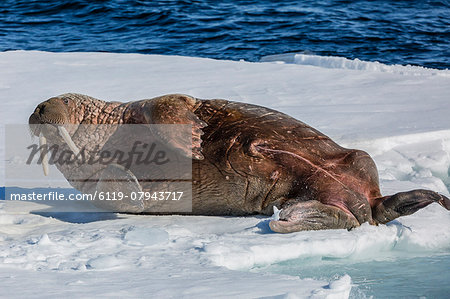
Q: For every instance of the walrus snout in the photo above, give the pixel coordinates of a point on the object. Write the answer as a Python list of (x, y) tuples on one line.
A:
[(52, 111)]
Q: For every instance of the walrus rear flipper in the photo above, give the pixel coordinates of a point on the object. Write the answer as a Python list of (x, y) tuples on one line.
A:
[(312, 215), (405, 203)]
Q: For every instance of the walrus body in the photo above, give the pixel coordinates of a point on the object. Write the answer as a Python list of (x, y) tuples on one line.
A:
[(247, 159)]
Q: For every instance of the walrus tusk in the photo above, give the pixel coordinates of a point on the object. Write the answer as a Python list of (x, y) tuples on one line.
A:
[(44, 150), (65, 135)]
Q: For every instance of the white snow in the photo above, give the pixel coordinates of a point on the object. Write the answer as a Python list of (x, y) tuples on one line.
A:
[(399, 114), (333, 62)]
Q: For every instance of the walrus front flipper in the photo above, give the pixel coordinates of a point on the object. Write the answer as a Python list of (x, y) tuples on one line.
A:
[(172, 110), (312, 215), (114, 190), (405, 203)]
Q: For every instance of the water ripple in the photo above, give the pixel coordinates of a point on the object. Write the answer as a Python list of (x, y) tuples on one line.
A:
[(403, 32)]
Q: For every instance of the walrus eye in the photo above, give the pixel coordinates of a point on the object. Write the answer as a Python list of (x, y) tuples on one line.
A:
[(66, 101)]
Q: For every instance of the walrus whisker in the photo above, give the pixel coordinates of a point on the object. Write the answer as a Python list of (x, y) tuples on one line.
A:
[(44, 157), (65, 135)]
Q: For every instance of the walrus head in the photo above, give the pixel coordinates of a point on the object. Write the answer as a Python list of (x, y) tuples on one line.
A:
[(61, 115), (56, 110), (69, 108)]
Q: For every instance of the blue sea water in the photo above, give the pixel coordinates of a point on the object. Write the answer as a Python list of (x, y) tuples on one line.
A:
[(392, 32), (397, 277)]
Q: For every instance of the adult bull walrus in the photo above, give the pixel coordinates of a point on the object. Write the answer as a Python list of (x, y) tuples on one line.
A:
[(246, 160)]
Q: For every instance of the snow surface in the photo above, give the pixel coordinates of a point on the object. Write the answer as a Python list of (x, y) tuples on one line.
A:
[(399, 114), (333, 62)]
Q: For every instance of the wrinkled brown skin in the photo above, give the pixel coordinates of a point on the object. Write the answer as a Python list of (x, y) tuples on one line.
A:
[(248, 159)]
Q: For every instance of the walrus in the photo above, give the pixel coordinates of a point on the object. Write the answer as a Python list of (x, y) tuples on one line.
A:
[(246, 160)]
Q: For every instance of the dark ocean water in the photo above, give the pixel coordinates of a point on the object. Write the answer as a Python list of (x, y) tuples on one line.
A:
[(401, 31)]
